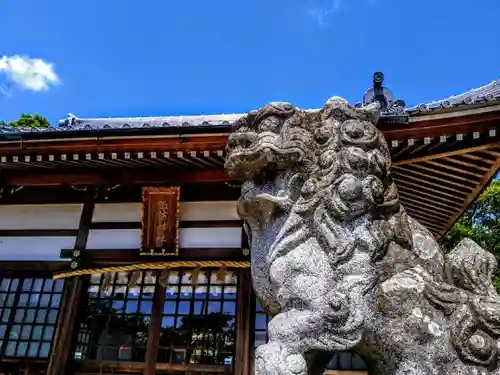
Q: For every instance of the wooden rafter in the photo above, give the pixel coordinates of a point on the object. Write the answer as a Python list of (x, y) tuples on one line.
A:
[(436, 163), (464, 163), (428, 217), (428, 199), (437, 189), (479, 188), (408, 171), (418, 205), (425, 167), (417, 183), (461, 152)]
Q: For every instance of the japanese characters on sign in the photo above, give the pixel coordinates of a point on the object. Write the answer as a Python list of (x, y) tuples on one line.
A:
[(160, 221)]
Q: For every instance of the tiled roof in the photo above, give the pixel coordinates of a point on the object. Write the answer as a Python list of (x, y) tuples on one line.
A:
[(72, 122), (487, 93), (483, 94)]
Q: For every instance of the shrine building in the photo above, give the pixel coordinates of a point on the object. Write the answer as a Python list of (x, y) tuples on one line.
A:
[(121, 251)]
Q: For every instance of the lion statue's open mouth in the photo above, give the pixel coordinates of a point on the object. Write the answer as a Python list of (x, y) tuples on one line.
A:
[(337, 261)]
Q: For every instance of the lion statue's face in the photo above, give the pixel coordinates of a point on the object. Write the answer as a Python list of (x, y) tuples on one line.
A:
[(289, 157), (327, 166)]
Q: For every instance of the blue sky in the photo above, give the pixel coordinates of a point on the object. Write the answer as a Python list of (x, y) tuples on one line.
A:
[(107, 58)]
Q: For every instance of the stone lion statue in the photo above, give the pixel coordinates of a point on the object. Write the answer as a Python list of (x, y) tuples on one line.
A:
[(338, 263)]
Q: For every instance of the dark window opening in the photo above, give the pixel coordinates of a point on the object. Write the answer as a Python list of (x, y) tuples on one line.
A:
[(261, 322), (29, 309), (346, 361), (198, 321), (115, 324)]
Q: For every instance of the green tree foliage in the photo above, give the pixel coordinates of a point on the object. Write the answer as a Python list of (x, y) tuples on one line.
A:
[(481, 223), (28, 121)]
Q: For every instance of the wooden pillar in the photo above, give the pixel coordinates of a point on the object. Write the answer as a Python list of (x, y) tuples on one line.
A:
[(243, 324), (71, 302), (154, 328)]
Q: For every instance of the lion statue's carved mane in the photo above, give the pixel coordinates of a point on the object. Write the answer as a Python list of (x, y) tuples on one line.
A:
[(338, 263)]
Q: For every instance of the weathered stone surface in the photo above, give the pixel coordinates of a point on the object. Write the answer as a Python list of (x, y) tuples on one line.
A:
[(337, 261)]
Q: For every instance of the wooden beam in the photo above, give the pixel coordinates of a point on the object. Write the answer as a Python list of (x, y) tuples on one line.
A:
[(128, 367), (38, 232), (431, 200), (124, 256), (154, 328), (182, 224), (130, 144), (493, 153), (422, 216), (243, 327), (461, 152), (439, 181), (71, 303), (425, 212), (253, 314), (483, 184), (121, 194), (437, 127), (464, 163), (113, 177), (400, 180), (416, 192), (408, 175), (426, 217), (436, 230), (40, 268), (478, 158), (422, 205), (451, 168), (442, 173)]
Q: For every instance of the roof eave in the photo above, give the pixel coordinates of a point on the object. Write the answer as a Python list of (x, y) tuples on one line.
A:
[(454, 112), (115, 132)]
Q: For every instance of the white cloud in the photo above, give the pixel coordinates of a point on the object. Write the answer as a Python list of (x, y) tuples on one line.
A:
[(321, 12), (325, 8), (28, 73)]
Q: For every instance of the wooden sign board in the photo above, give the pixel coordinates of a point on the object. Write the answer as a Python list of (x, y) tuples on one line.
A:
[(160, 221)]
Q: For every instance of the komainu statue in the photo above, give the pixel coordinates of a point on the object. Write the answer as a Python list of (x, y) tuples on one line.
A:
[(338, 263)]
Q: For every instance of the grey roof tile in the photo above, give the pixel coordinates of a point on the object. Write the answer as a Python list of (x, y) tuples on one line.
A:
[(75, 123), (483, 94), (487, 93)]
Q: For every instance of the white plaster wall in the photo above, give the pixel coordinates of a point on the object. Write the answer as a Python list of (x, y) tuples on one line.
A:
[(67, 216), (40, 216), (190, 211), (222, 210), (114, 239), (34, 248), (117, 212), (188, 238), (210, 237)]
